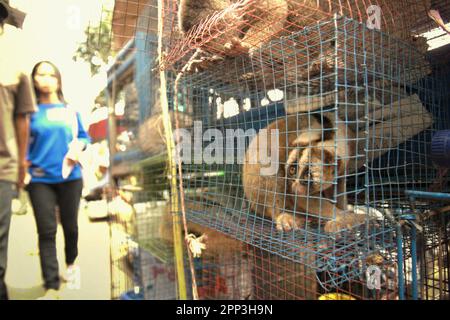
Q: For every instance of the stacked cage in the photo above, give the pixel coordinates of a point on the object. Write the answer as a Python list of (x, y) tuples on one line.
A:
[(220, 266), (434, 257), (139, 171), (217, 269), (123, 102), (354, 118), (429, 206)]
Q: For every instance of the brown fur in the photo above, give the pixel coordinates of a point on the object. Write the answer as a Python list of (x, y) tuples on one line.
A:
[(268, 18), (151, 136), (300, 146), (265, 20), (397, 17)]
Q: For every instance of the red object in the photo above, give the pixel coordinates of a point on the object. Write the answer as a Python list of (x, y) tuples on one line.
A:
[(99, 131)]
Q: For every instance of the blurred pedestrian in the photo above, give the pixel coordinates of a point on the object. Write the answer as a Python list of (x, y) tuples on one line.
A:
[(16, 103), (56, 142)]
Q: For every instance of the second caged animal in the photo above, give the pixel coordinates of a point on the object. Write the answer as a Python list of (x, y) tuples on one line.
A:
[(313, 150), (241, 33)]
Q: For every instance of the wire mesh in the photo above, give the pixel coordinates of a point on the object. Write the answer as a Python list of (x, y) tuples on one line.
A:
[(230, 28), (223, 270), (365, 105), (221, 267), (432, 215), (136, 136), (278, 278), (434, 257), (124, 250), (357, 109), (155, 273)]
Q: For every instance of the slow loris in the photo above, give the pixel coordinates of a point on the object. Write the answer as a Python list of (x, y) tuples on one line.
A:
[(310, 146)]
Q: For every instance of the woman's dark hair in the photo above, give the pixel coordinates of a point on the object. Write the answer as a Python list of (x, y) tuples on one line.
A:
[(58, 76)]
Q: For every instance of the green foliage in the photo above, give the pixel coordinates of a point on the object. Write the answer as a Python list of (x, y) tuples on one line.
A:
[(97, 48)]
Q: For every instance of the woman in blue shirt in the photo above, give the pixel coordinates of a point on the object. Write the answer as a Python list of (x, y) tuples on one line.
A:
[(57, 139)]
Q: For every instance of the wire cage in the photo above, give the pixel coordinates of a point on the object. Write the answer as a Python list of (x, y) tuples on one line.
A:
[(142, 213), (122, 142), (123, 249), (230, 28), (434, 258), (425, 260), (138, 150), (353, 109), (140, 185), (366, 117), (278, 278), (153, 269), (157, 274), (222, 269), (224, 277)]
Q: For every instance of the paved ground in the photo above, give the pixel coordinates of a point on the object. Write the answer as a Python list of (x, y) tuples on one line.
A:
[(23, 275)]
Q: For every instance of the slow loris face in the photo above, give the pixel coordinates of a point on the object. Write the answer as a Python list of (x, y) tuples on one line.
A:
[(309, 170)]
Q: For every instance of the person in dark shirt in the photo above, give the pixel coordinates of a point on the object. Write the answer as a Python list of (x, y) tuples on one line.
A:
[(16, 103)]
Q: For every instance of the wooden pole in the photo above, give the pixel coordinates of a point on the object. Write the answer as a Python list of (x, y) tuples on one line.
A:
[(180, 171), (178, 243)]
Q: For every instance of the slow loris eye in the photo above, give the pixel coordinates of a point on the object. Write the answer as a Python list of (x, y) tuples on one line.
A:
[(292, 170)]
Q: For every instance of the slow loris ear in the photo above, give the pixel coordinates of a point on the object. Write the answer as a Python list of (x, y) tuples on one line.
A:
[(307, 138)]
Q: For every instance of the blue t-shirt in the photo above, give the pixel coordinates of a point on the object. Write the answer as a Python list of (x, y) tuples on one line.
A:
[(51, 132)]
